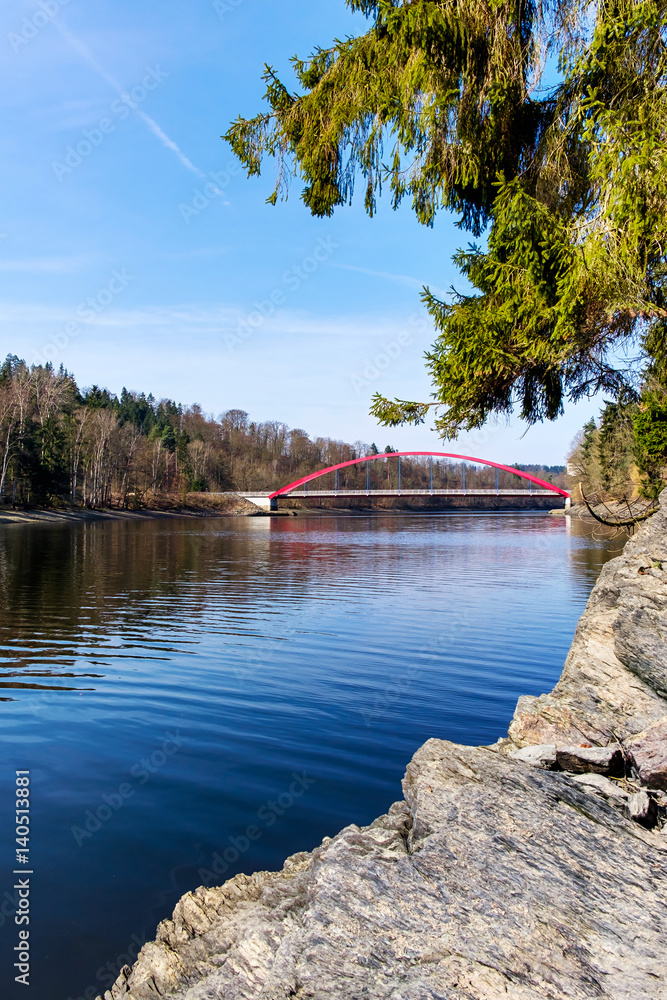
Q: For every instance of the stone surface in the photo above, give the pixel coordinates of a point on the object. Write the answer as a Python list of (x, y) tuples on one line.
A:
[(599, 760), (491, 880), (494, 878), (648, 754), (643, 809), (614, 678), (538, 756), (603, 785)]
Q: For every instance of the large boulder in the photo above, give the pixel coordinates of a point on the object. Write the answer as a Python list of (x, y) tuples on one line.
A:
[(491, 880)]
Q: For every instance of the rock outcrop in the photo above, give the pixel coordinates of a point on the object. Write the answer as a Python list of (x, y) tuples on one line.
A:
[(648, 754), (614, 682), (535, 869)]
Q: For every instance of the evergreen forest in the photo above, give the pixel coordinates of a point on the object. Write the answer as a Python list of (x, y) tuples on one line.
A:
[(62, 445)]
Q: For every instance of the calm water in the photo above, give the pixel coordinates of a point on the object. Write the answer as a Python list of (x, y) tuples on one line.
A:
[(164, 682)]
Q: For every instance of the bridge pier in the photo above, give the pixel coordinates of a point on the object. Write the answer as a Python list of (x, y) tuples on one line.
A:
[(262, 500)]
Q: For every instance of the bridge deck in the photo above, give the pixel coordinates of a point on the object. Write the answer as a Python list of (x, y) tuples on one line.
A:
[(412, 492)]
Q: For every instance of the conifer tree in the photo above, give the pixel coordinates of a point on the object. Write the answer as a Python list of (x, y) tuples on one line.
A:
[(444, 102)]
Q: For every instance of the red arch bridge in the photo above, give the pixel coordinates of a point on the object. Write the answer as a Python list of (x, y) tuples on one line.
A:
[(532, 486)]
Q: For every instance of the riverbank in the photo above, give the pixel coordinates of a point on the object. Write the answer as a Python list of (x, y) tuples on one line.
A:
[(533, 868), (162, 507), (611, 513), (231, 507), (421, 505)]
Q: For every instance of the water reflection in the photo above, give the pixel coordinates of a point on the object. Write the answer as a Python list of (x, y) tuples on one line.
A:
[(327, 646), (87, 596)]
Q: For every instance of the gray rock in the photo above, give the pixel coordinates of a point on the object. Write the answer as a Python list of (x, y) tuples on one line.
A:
[(490, 881), (648, 753), (643, 809), (640, 628), (599, 760), (641, 643), (538, 756), (605, 786), (607, 689)]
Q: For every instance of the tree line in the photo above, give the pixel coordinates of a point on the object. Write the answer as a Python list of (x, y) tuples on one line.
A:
[(62, 444), (623, 454), (92, 447)]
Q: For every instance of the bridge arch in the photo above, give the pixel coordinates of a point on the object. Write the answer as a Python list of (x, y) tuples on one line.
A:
[(284, 490)]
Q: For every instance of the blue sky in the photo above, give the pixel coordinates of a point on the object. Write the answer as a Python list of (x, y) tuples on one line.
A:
[(134, 250)]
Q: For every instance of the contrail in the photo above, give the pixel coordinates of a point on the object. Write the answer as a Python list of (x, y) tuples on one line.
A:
[(152, 125), (169, 143)]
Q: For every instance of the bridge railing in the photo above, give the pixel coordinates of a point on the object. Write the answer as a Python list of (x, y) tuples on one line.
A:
[(417, 492)]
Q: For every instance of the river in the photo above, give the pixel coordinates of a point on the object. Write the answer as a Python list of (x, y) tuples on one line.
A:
[(196, 698)]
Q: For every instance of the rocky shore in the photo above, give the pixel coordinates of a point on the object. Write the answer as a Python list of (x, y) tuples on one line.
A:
[(533, 869)]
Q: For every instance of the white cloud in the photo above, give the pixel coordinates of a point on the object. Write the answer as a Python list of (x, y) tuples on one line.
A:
[(46, 265), (187, 317), (397, 279)]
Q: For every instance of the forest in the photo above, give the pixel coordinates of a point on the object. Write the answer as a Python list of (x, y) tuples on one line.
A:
[(60, 444), (623, 455)]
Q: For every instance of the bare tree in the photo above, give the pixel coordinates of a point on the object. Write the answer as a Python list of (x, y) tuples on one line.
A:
[(77, 427), (199, 453), (9, 419), (50, 391), (97, 465)]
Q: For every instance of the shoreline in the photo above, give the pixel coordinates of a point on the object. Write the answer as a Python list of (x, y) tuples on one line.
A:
[(236, 507), (532, 868), (198, 505), (74, 515)]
